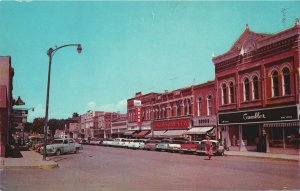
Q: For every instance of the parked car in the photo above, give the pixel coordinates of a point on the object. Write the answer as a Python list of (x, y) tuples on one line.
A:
[(107, 142), (175, 145), (163, 145), (137, 144), (190, 146), (95, 141), (217, 149), (62, 146), (151, 144), (127, 142)]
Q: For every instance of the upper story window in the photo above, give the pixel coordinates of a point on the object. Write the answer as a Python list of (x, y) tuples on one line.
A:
[(275, 87), (224, 94), (199, 106), (255, 88), (246, 90), (231, 92), (209, 105), (286, 81), (178, 112)]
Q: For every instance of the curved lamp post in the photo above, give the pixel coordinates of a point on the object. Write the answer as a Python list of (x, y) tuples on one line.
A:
[(51, 53)]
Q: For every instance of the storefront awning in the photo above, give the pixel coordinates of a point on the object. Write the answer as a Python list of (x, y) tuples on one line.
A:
[(288, 124), (140, 134), (174, 133), (198, 130), (156, 134), (129, 132)]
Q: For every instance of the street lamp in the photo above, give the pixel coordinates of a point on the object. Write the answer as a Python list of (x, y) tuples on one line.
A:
[(50, 54)]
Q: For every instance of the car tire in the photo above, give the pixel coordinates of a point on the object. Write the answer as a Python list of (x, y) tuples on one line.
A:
[(76, 151), (58, 152)]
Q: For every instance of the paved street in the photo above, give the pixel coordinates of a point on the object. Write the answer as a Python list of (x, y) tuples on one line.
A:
[(105, 168)]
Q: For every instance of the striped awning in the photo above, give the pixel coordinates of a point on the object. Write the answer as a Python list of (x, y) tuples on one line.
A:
[(288, 124)]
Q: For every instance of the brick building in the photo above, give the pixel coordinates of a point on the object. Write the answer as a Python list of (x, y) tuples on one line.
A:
[(186, 112), (6, 101), (257, 83)]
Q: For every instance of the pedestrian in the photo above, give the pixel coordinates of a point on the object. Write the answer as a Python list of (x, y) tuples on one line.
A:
[(208, 148)]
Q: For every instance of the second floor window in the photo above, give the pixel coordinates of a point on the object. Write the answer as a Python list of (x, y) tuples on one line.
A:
[(199, 106), (224, 94), (286, 81), (255, 87), (275, 88), (209, 105), (231, 92), (246, 89)]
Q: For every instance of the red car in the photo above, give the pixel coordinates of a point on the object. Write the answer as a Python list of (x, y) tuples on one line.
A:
[(151, 145), (190, 146)]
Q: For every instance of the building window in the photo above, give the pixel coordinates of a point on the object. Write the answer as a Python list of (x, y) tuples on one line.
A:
[(231, 92), (178, 109), (209, 105), (286, 81), (224, 94), (199, 106), (275, 87), (246, 89), (255, 87)]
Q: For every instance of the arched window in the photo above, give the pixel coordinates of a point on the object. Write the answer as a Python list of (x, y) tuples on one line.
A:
[(199, 106), (209, 105), (255, 88), (286, 81), (275, 88), (224, 94), (246, 89), (231, 92), (178, 109)]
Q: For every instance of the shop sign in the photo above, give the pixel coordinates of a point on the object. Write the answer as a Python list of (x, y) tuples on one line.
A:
[(138, 114), (171, 124), (259, 116)]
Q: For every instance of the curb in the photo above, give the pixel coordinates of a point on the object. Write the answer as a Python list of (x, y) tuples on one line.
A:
[(264, 157), (42, 166)]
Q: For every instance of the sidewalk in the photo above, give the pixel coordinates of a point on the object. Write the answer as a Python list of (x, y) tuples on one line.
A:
[(30, 159), (295, 158)]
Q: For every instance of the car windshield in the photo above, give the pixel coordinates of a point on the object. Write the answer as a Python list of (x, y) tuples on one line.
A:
[(59, 141)]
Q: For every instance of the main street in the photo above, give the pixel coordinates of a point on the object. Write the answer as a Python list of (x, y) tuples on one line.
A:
[(113, 169)]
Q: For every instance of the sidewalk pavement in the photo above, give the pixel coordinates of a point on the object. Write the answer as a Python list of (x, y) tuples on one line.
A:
[(288, 157), (30, 159)]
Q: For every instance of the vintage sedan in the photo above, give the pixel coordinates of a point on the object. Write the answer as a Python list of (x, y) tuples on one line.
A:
[(163, 145), (175, 145), (137, 144), (62, 146), (217, 149), (151, 145)]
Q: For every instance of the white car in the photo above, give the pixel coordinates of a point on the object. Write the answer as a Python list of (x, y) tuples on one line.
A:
[(107, 142), (175, 146), (137, 144)]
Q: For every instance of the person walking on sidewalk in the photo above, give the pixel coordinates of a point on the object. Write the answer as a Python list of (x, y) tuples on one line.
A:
[(208, 147)]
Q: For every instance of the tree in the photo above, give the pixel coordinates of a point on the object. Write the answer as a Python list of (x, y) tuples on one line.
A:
[(75, 114), (38, 125)]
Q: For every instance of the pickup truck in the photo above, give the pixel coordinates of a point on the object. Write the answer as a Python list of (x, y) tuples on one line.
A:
[(62, 146)]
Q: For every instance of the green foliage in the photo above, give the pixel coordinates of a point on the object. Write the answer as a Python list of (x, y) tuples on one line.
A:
[(39, 123)]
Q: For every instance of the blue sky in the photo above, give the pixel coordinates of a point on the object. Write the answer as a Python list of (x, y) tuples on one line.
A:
[(128, 46)]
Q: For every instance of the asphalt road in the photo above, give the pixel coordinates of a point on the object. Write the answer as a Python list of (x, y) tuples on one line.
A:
[(116, 169)]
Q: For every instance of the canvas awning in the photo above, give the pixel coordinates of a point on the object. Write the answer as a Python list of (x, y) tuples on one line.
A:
[(156, 134), (129, 132), (174, 133), (198, 130), (140, 134)]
